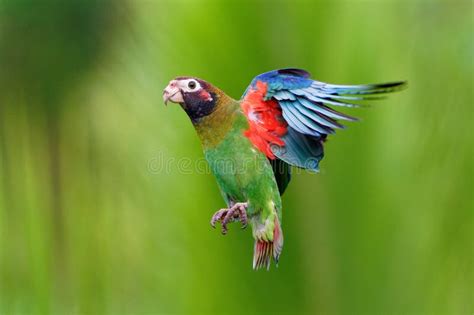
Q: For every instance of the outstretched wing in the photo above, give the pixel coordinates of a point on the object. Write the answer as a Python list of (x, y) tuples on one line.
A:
[(290, 115)]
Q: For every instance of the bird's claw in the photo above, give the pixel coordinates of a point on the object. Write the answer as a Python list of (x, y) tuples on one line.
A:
[(228, 215)]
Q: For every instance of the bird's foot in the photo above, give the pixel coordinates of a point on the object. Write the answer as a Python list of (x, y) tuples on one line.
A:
[(228, 215)]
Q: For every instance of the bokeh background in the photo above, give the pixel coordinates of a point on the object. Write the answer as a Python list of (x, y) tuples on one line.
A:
[(92, 222)]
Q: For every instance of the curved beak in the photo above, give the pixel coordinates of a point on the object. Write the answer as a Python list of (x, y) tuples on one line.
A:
[(172, 93)]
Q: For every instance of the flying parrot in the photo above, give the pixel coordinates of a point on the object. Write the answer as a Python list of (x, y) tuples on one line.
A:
[(282, 120)]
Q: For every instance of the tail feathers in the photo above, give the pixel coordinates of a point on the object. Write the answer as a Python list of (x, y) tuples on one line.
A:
[(265, 250)]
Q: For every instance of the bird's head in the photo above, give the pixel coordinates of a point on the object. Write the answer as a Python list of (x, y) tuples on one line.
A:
[(197, 97)]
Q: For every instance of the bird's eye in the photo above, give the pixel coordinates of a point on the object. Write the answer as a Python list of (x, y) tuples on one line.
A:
[(192, 85)]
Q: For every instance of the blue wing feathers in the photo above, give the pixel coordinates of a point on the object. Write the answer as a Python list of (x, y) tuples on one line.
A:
[(300, 150), (283, 79), (294, 120), (284, 95), (361, 89), (311, 122), (326, 111), (314, 128), (304, 103), (306, 93), (320, 119)]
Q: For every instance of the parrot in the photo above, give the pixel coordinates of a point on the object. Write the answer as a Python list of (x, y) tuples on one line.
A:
[(281, 121)]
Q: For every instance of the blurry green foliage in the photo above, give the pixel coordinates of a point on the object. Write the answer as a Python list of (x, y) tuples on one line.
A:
[(91, 224)]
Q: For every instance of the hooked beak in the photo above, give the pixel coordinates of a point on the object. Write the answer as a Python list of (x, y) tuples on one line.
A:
[(172, 93)]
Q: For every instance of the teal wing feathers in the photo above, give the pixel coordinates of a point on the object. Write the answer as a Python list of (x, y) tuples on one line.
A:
[(306, 108)]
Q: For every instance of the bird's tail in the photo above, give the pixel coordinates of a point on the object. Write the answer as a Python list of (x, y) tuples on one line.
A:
[(264, 250)]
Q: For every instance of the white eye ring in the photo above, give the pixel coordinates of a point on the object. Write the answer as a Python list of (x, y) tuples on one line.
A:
[(192, 85)]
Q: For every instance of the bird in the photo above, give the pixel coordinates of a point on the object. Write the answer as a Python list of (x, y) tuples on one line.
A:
[(282, 121)]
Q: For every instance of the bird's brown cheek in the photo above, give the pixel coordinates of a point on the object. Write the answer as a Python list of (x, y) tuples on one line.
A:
[(196, 106)]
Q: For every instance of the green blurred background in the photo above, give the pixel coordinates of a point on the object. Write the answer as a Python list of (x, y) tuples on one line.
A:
[(91, 223)]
